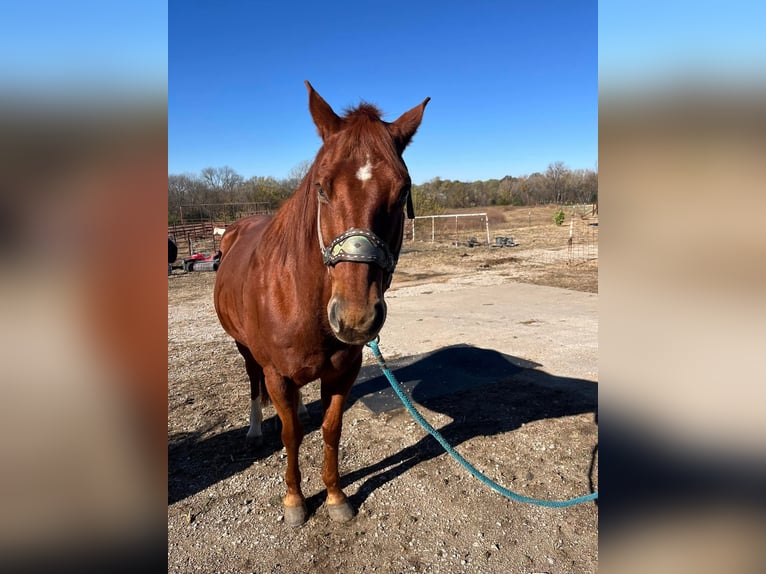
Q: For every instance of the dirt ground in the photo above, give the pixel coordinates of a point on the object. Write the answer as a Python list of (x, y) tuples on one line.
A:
[(506, 342)]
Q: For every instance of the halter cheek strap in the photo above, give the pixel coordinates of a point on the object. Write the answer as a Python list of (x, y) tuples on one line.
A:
[(410, 207)]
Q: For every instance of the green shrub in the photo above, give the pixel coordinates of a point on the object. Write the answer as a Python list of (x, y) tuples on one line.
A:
[(559, 217)]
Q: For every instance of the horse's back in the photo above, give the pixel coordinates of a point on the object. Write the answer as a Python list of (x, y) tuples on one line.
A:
[(246, 230), (238, 247)]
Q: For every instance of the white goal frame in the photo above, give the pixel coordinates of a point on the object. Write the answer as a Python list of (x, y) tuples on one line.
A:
[(433, 218)]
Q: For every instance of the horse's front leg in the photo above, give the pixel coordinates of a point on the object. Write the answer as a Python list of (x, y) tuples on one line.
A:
[(284, 396), (333, 399)]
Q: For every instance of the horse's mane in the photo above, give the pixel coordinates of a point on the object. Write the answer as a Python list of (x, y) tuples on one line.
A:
[(362, 133)]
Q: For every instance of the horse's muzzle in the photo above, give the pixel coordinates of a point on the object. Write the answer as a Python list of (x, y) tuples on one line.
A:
[(355, 326)]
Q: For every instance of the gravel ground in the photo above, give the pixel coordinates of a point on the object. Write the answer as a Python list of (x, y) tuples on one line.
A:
[(532, 426)]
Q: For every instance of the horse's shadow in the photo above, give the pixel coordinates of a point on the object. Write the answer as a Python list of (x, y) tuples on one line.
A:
[(482, 391)]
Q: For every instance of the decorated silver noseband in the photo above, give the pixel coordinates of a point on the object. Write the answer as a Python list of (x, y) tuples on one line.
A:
[(357, 246)]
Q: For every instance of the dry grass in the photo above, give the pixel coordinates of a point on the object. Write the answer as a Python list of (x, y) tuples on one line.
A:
[(543, 255)]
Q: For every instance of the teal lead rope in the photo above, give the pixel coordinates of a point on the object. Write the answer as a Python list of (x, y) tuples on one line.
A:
[(452, 452)]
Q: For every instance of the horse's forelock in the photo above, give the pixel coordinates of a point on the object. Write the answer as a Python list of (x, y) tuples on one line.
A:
[(365, 134), (363, 110)]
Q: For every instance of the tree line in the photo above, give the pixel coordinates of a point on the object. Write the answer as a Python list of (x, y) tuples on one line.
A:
[(198, 194)]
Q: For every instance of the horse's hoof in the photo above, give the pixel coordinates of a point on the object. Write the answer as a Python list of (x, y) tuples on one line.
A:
[(342, 512), (295, 515), (254, 441)]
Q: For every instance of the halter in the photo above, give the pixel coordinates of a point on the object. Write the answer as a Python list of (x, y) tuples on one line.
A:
[(357, 246)]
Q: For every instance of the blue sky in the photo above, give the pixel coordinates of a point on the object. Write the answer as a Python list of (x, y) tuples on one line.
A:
[(83, 48), (513, 84), (646, 44)]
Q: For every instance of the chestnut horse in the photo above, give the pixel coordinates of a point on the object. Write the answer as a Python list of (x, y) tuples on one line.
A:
[(302, 292)]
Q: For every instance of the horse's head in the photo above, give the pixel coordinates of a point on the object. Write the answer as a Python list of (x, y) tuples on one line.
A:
[(361, 187)]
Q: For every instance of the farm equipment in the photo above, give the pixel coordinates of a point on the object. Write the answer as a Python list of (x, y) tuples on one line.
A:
[(199, 262), (472, 242), (504, 242)]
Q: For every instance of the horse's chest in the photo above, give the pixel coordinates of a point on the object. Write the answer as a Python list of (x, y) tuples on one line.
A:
[(322, 365)]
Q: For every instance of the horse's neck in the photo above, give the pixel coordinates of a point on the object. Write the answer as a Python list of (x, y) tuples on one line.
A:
[(292, 235)]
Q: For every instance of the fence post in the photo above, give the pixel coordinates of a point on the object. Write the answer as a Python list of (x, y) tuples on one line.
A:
[(457, 239)]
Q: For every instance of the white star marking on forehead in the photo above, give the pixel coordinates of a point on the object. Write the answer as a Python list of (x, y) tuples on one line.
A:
[(365, 172)]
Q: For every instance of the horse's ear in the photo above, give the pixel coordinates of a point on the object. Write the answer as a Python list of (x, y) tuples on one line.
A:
[(325, 119), (405, 127)]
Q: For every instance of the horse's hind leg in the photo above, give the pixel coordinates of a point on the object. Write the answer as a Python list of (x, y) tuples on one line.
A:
[(254, 436), (303, 412)]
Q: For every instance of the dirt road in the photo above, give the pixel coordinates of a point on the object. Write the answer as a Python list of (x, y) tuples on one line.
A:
[(507, 371)]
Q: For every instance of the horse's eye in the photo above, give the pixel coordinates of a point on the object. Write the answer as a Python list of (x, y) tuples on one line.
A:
[(321, 193)]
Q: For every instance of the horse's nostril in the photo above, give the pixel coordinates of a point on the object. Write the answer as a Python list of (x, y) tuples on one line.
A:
[(379, 316), (332, 315)]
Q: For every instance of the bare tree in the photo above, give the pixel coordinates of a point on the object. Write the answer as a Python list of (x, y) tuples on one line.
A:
[(297, 173), (538, 189), (221, 178), (557, 174), (185, 189)]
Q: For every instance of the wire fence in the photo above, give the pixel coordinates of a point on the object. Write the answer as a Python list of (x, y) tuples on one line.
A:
[(542, 242), (575, 241), (196, 231), (580, 244)]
